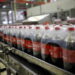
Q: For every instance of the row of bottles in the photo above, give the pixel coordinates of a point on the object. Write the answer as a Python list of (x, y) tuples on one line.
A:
[(52, 43)]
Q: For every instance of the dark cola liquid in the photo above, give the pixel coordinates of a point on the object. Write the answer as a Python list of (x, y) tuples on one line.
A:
[(4, 39), (28, 50), (8, 41), (37, 43), (14, 43), (69, 53), (37, 46), (1, 36), (46, 57), (23, 48), (57, 60)]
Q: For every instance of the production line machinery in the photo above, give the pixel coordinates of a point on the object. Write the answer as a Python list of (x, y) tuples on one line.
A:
[(21, 63)]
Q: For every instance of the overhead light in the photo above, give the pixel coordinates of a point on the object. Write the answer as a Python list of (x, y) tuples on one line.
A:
[(4, 6), (10, 12), (5, 22)]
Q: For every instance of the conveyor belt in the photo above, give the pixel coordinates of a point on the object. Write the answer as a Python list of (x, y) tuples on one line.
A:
[(41, 63)]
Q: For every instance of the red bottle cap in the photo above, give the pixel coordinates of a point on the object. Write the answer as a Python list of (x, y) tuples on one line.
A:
[(61, 24), (37, 27), (57, 28), (71, 29), (47, 27), (20, 27), (24, 27), (30, 27)]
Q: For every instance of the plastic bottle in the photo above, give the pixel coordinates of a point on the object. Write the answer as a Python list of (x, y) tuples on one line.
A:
[(24, 38), (39, 31), (23, 34), (69, 49), (14, 43), (19, 29), (5, 34), (56, 49), (46, 44), (29, 40)]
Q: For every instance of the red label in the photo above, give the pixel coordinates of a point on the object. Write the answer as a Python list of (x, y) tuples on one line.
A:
[(23, 42), (11, 39), (18, 41), (46, 49), (1, 34), (8, 38), (69, 56), (56, 52), (14, 40), (4, 37), (28, 44), (3, 0), (36, 46)]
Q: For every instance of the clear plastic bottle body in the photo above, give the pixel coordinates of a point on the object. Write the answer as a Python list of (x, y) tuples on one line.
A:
[(24, 36), (14, 37), (56, 49), (39, 31), (69, 49), (29, 40), (51, 47), (45, 43), (19, 29)]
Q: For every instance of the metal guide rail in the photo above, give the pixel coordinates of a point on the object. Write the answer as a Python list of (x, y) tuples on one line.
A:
[(51, 68), (24, 65), (8, 67)]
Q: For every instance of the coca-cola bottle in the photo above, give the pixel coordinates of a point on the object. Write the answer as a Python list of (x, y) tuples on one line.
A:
[(39, 31), (12, 30), (69, 49), (5, 34), (56, 49), (2, 33), (29, 41), (19, 28), (14, 42), (9, 36), (23, 34), (46, 44), (24, 38)]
